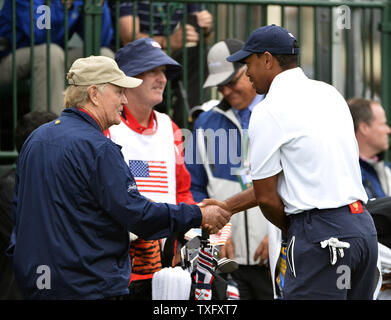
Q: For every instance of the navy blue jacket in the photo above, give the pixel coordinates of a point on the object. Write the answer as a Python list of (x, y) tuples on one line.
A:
[(370, 180), (75, 201)]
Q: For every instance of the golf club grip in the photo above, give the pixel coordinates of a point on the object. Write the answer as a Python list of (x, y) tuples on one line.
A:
[(205, 235)]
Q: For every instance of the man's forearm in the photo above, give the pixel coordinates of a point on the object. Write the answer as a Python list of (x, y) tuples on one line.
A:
[(273, 211), (275, 214), (268, 199), (241, 201)]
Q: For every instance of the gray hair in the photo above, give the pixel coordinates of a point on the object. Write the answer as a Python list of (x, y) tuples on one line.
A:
[(77, 96)]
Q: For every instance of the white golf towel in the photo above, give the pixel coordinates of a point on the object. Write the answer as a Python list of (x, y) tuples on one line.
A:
[(171, 284)]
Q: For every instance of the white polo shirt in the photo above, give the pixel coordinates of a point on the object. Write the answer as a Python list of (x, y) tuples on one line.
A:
[(304, 132)]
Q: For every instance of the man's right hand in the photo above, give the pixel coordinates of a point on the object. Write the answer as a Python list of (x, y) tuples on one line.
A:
[(210, 201), (213, 217), (176, 39)]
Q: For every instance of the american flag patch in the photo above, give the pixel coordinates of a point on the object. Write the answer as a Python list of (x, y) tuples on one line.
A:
[(150, 176)]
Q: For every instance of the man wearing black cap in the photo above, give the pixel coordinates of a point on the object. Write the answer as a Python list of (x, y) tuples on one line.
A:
[(152, 147), (249, 241), (306, 174)]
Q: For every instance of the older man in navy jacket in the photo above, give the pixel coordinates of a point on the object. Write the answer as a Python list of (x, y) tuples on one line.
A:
[(76, 199)]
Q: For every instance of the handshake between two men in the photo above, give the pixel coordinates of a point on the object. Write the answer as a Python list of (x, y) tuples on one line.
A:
[(215, 215)]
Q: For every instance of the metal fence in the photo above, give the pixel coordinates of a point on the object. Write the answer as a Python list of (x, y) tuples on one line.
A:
[(344, 43)]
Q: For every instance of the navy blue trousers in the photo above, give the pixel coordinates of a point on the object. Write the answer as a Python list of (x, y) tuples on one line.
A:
[(309, 273)]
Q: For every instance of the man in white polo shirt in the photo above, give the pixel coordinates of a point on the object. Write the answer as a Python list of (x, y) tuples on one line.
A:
[(306, 174)]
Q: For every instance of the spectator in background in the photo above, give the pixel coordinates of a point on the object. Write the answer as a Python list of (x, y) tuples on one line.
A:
[(170, 15), (150, 140), (161, 15), (249, 242), (27, 124), (372, 131), (56, 25)]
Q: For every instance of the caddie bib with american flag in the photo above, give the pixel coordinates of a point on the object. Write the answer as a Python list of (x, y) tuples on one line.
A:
[(150, 157)]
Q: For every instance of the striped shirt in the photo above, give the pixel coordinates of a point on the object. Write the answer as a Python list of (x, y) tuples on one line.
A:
[(162, 12)]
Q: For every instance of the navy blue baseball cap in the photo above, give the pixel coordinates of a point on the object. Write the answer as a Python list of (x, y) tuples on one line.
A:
[(143, 55), (272, 38)]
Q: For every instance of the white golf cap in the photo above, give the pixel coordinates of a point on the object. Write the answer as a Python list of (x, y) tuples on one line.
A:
[(221, 71)]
